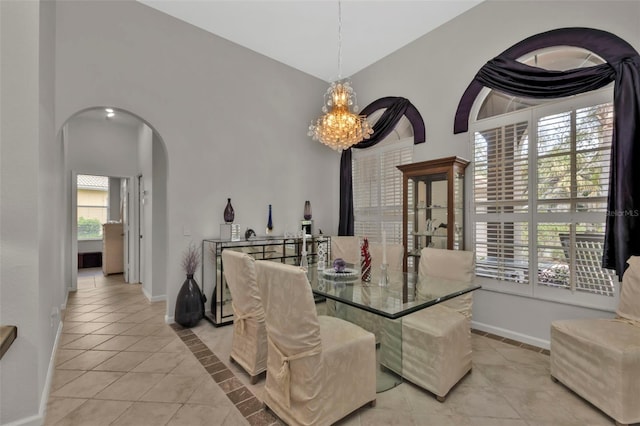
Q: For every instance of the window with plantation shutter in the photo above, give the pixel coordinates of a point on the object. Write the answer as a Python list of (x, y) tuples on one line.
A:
[(377, 189), (540, 185)]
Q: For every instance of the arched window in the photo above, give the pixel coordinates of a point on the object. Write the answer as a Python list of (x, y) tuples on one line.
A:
[(621, 65)]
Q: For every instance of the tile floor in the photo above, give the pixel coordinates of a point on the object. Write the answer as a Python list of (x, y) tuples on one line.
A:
[(118, 363)]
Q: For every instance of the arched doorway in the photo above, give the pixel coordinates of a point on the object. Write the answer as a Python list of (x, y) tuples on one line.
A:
[(129, 152)]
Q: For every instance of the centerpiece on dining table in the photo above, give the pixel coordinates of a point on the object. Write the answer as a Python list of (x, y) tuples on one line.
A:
[(341, 271)]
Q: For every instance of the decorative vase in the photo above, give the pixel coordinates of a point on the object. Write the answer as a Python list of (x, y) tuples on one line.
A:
[(190, 303), (269, 222), (307, 210), (229, 214), (365, 261)]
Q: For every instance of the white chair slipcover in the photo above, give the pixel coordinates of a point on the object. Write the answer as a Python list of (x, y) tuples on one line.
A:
[(249, 347), (599, 359), (435, 342), (319, 369)]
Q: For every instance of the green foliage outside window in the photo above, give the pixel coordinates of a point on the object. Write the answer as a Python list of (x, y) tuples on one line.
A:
[(89, 229)]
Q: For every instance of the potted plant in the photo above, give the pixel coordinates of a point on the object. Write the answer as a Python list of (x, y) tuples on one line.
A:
[(190, 302)]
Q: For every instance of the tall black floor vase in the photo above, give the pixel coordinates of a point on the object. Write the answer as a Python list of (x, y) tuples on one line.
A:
[(190, 303)]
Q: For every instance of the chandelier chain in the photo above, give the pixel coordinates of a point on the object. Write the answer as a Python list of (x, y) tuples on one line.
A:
[(339, 40)]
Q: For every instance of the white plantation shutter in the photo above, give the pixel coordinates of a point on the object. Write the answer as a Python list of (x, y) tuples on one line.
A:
[(540, 182), (377, 189), (501, 200), (573, 156)]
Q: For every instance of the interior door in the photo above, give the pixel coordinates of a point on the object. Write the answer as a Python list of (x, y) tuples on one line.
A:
[(141, 251), (124, 213)]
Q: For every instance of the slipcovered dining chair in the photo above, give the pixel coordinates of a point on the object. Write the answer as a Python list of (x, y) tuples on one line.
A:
[(345, 247), (435, 342), (599, 358), (319, 368), (249, 346)]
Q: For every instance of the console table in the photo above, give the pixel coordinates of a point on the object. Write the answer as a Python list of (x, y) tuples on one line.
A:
[(277, 248)]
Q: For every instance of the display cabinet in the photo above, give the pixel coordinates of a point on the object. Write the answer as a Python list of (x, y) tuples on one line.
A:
[(433, 207), (280, 249)]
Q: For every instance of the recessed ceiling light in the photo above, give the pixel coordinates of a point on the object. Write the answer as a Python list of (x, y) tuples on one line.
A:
[(110, 110), (111, 114)]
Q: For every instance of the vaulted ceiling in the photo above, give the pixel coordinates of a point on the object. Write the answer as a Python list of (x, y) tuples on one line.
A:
[(304, 34)]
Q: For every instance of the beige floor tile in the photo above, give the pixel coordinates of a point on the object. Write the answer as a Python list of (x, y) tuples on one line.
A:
[(130, 387), (113, 317), (87, 385), (66, 338), (160, 363), (152, 343), (88, 341), (141, 317), (202, 415), (173, 388), (85, 327), (95, 413), (88, 316), (492, 421), (209, 393), (176, 345), (480, 402), (57, 408), (148, 414), (384, 417), (115, 328), (87, 360), (83, 308), (64, 355), (143, 329), (118, 343), (123, 361), (190, 366), (62, 377)]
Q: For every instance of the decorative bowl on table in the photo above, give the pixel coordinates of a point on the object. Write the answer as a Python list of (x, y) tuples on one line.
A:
[(340, 271)]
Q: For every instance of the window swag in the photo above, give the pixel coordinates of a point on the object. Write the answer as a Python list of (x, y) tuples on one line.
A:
[(504, 73), (396, 107)]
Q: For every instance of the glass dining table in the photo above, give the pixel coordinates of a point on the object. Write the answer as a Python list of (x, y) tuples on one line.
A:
[(379, 308)]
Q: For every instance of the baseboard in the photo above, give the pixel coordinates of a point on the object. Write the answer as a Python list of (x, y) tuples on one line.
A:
[(509, 334), (153, 299)]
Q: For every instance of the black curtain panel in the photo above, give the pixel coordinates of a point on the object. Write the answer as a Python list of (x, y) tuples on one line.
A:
[(504, 73), (396, 107)]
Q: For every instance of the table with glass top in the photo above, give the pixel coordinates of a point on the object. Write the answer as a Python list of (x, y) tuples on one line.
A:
[(380, 308)]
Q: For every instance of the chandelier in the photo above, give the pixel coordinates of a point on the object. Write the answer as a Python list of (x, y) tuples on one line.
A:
[(340, 127)]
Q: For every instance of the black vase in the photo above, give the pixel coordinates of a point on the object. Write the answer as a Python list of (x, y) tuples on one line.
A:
[(190, 303), (229, 214)]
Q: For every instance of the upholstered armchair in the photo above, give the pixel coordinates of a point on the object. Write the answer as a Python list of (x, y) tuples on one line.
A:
[(599, 359), (249, 347), (435, 342), (319, 368)]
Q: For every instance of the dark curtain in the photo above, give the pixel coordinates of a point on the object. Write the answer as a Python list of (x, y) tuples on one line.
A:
[(622, 235), (396, 107)]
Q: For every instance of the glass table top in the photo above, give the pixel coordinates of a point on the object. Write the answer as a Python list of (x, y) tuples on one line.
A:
[(404, 293)]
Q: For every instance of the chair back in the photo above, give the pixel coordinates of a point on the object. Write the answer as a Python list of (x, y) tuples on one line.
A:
[(395, 256), (240, 274), (347, 248), (290, 312), (454, 265), (629, 305)]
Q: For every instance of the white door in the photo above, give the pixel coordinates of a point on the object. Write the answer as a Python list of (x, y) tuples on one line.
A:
[(124, 201), (141, 250)]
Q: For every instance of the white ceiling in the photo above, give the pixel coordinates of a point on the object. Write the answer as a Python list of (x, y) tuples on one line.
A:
[(304, 33)]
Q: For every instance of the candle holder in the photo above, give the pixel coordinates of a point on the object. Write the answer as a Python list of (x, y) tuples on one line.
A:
[(384, 278), (304, 262)]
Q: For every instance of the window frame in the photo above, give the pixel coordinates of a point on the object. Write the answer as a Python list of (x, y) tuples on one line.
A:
[(531, 115)]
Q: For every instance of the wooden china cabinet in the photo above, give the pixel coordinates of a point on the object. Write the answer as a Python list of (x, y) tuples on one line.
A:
[(433, 207)]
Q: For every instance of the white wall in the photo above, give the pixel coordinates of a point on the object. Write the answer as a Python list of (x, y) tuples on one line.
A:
[(31, 204), (433, 73), (234, 122)]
